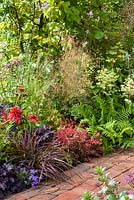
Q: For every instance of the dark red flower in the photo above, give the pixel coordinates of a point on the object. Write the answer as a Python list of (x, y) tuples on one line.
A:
[(15, 115), (33, 118)]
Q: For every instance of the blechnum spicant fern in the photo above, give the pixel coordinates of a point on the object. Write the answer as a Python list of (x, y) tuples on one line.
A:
[(112, 118)]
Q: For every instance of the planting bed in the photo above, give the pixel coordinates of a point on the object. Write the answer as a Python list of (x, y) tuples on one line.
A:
[(83, 178)]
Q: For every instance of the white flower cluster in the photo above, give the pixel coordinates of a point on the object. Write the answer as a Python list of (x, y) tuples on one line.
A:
[(106, 78), (128, 87)]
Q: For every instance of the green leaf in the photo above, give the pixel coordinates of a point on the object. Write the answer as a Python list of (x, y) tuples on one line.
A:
[(99, 35), (87, 196)]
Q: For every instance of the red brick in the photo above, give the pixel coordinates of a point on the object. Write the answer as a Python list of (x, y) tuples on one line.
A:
[(119, 159), (122, 168), (130, 160), (40, 197), (82, 167), (18, 197), (67, 196), (91, 185), (88, 175), (107, 165), (77, 179), (66, 185), (113, 173)]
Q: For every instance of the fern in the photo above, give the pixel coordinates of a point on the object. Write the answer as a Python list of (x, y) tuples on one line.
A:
[(82, 111), (128, 143), (103, 109), (92, 124), (107, 145), (123, 114), (122, 124), (108, 130), (111, 110), (109, 116)]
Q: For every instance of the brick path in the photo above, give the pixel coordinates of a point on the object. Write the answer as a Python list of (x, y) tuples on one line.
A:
[(82, 178)]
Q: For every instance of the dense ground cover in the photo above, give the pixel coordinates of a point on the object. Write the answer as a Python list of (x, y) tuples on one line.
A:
[(66, 85)]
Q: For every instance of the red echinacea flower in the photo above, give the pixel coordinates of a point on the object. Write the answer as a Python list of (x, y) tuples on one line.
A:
[(15, 115), (33, 118)]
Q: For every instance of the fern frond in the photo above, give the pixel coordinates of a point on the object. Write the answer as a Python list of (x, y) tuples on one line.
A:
[(82, 111), (123, 114), (103, 109), (108, 130), (112, 113), (122, 124), (128, 143)]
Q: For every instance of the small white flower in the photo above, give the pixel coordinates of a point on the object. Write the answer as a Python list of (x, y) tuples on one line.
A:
[(103, 190), (87, 31), (122, 198), (131, 196), (112, 182), (128, 101), (90, 14), (85, 44)]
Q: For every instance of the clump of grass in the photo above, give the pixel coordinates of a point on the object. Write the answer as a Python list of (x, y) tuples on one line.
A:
[(71, 78)]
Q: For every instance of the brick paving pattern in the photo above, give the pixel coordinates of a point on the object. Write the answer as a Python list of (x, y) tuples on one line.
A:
[(83, 178)]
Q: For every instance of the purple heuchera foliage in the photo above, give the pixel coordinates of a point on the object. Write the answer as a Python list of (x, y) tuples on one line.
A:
[(45, 135), (11, 180), (8, 166)]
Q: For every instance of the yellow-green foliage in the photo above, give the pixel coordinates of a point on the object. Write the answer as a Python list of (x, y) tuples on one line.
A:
[(54, 118)]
